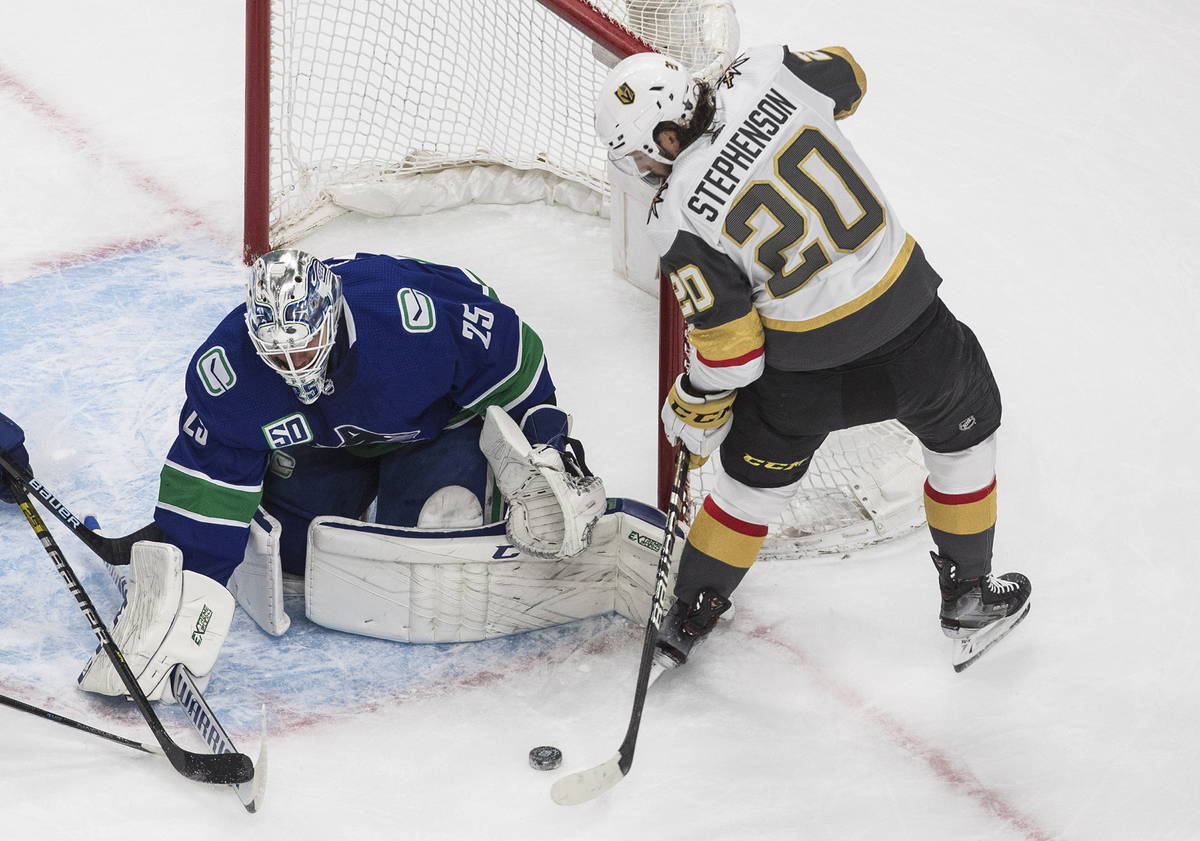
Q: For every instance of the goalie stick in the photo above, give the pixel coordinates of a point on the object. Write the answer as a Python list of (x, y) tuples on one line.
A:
[(206, 723), (221, 769), (583, 786), (210, 729), (115, 552)]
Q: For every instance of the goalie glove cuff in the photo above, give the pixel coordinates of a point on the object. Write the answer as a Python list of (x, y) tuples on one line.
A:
[(546, 424)]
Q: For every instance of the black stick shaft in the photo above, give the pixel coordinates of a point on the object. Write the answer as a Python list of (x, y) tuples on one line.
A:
[(70, 722), (222, 769), (657, 611), (112, 550)]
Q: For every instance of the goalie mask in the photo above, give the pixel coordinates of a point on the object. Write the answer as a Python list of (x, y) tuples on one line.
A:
[(292, 308), (639, 94)]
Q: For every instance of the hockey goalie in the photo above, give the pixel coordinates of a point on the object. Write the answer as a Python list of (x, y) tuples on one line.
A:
[(386, 430)]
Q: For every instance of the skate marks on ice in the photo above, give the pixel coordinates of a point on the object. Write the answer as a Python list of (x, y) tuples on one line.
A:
[(946, 768), (308, 676)]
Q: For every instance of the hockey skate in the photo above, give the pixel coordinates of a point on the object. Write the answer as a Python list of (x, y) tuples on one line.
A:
[(979, 612), (685, 626)]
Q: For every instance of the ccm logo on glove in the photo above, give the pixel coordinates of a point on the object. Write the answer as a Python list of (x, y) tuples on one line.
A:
[(702, 412)]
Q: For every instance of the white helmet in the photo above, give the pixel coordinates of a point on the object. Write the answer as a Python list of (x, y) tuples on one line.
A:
[(638, 94), (293, 303)]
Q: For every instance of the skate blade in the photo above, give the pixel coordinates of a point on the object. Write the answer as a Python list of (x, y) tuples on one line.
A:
[(969, 649), (660, 665)]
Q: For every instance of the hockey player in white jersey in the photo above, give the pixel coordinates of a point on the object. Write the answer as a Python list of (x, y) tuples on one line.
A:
[(811, 309)]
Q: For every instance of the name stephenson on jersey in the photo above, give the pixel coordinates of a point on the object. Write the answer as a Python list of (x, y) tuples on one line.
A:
[(780, 246), (421, 348)]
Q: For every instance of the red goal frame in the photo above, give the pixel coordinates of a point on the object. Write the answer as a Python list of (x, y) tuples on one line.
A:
[(585, 17)]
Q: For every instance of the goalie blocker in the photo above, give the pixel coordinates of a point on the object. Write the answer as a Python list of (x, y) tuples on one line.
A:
[(459, 585), (170, 616)]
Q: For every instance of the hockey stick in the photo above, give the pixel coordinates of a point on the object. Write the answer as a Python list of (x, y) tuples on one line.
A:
[(78, 725), (582, 786), (112, 550), (205, 721), (221, 769)]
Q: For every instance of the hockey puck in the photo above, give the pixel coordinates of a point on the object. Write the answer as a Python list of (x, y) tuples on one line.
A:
[(545, 758)]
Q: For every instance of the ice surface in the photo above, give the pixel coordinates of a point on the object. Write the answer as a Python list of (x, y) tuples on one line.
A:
[(1043, 154)]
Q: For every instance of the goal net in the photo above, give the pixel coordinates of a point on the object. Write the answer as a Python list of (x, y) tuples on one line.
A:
[(388, 106), (405, 107)]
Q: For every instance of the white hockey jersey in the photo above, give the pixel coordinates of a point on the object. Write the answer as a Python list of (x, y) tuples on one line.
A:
[(779, 244)]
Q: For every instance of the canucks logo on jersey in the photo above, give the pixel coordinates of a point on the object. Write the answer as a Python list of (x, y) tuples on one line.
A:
[(418, 349)]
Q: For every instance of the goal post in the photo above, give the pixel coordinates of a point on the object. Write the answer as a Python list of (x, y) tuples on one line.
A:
[(405, 107)]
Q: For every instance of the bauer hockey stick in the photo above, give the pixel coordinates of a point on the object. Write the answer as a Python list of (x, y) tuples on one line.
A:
[(78, 725), (220, 769), (112, 550), (583, 786)]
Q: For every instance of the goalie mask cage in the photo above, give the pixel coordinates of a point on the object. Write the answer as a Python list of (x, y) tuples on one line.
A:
[(395, 107)]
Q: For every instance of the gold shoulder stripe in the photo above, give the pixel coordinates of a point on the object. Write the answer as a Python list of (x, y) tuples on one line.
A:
[(859, 76), (850, 307), (731, 339)]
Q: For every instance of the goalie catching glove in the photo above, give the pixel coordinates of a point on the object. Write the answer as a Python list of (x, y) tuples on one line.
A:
[(699, 421), (170, 616), (553, 502)]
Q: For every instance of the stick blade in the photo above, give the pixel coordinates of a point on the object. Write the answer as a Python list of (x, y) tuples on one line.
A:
[(583, 786), (215, 768), (251, 793)]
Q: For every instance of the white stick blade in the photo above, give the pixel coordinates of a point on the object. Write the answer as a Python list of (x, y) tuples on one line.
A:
[(251, 793), (583, 786)]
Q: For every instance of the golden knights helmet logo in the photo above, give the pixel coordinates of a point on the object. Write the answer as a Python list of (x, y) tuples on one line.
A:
[(625, 94)]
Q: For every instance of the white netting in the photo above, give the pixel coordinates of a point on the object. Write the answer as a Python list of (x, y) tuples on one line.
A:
[(371, 91), (864, 487), (394, 107)]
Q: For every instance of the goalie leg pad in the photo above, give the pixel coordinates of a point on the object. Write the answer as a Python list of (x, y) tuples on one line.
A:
[(170, 616), (631, 533), (552, 510), (415, 585), (257, 583)]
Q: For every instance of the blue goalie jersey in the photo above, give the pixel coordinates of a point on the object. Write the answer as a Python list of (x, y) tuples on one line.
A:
[(421, 348)]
